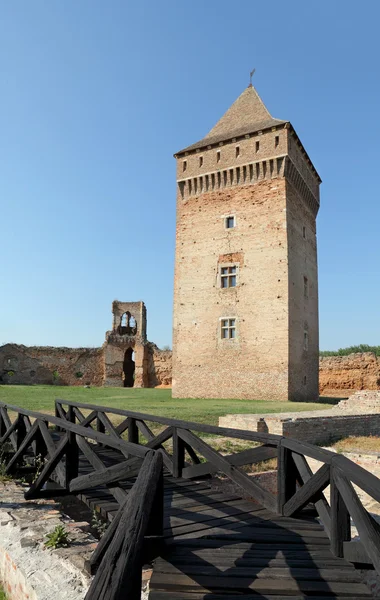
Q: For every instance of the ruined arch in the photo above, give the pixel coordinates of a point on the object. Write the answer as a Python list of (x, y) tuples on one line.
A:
[(128, 324), (129, 368)]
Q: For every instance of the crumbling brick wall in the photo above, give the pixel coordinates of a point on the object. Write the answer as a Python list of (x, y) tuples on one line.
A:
[(159, 366), (30, 365), (359, 371)]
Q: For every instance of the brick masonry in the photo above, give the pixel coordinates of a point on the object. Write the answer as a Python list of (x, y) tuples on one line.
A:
[(265, 180), (360, 371)]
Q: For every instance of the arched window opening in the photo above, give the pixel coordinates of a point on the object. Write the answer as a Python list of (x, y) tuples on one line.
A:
[(129, 368), (128, 325)]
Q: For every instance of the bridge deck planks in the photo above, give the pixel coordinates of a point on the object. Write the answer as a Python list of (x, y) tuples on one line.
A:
[(220, 546)]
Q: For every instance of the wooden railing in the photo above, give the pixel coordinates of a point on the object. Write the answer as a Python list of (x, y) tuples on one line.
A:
[(191, 457), (119, 555)]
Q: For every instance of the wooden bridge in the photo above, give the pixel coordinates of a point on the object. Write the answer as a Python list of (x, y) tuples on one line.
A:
[(231, 540)]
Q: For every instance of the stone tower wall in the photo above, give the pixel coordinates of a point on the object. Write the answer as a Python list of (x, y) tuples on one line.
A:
[(303, 308), (255, 364), (266, 181)]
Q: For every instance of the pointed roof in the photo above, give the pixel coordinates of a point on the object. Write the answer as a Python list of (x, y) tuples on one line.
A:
[(247, 114)]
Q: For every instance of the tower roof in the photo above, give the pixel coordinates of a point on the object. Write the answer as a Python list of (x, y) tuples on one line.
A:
[(247, 114)]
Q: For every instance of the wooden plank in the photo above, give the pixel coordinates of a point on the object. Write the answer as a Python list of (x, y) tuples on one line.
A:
[(368, 482), (297, 573), (119, 574), (355, 553), (250, 487), (178, 454), (205, 584), (340, 519), (118, 493), (307, 449), (105, 476), (252, 455), (309, 491), (286, 477), (225, 558), (134, 449), (265, 438), (11, 428), (47, 470), (51, 448), (149, 435), (28, 439), (369, 537), (321, 505), (206, 595)]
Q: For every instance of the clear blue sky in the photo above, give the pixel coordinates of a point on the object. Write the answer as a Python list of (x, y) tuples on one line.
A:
[(95, 99)]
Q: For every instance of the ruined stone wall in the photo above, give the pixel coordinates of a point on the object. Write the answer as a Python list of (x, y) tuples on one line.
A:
[(159, 366), (359, 371), (30, 365)]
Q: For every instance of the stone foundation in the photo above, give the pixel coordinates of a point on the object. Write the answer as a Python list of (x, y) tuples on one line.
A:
[(28, 570), (321, 427)]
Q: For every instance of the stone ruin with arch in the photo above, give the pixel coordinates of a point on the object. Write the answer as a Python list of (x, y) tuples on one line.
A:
[(126, 359)]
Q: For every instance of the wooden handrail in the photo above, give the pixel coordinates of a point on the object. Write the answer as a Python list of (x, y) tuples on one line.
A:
[(297, 485), (267, 438), (120, 551)]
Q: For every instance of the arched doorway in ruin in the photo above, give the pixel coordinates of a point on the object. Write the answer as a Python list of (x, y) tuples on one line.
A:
[(129, 368)]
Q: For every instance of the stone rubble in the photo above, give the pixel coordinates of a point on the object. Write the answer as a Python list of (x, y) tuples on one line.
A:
[(27, 568)]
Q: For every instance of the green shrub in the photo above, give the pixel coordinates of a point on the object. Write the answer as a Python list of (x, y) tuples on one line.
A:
[(79, 374), (55, 375), (351, 350), (58, 538), (11, 373)]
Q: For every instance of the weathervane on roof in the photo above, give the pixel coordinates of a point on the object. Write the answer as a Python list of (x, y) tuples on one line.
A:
[(250, 77)]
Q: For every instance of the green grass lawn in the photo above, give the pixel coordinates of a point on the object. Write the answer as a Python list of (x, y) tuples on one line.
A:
[(154, 401)]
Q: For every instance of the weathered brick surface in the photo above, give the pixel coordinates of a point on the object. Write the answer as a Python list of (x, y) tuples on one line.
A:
[(360, 371), (273, 193), (30, 365)]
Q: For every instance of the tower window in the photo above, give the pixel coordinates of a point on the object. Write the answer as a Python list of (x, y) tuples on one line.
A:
[(230, 222), (200, 161), (305, 340), (304, 380), (218, 156), (257, 146), (304, 232), (228, 329), (184, 165), (228, 277), (276, 141), (305, 287), (237, 151)]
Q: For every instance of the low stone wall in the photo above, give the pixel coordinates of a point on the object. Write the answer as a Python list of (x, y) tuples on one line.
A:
[(359, 371), (159, 366), (316, 427)]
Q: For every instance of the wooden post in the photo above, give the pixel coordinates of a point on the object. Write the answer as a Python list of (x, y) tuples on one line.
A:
[(133, 431), (72, 452), (286, 477), (156, 521), (178, 455), (21, 430), (340, 519)]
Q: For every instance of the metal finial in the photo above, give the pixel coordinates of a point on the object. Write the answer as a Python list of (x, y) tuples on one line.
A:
[(250, 77)]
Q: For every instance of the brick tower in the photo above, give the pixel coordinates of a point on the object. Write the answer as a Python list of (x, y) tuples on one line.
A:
[(246, 286)]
